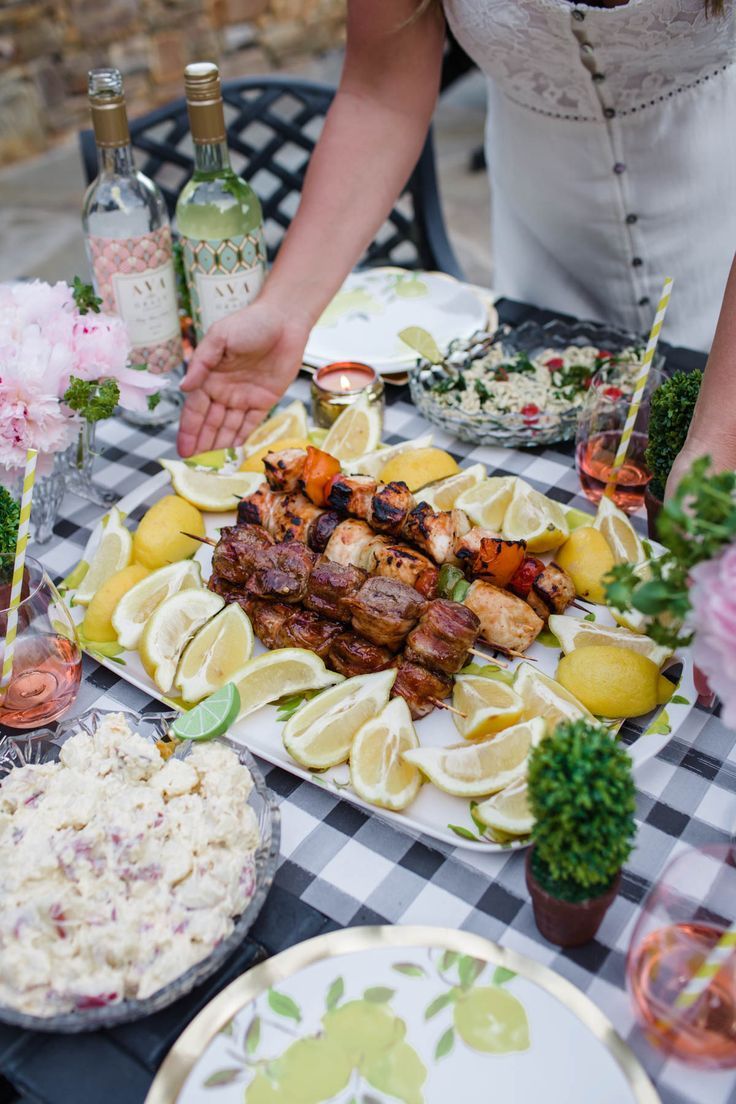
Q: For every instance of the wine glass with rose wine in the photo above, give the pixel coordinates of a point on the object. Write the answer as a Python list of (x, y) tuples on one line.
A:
[(600, 427), (681, 967), (47, 659)]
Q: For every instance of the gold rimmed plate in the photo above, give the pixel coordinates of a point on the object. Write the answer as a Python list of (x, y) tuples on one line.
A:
[(400, 1014)]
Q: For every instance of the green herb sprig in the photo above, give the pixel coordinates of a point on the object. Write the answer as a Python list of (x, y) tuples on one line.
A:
[(85, 298), (93, 399), (9, 521), (694, 525), (581, 793)]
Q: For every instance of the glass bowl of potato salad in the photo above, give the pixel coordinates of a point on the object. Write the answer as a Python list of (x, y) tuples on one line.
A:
[(132, 867)]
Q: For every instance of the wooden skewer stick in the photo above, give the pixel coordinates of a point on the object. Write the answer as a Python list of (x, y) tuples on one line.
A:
[(576, 605), (488, 658), (202, 540), (449, 708), (508, 652)]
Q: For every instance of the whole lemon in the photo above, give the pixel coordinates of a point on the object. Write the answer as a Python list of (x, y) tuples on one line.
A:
[(418, 467), (611, 681), (158, 540), (587, 558), (97, 624), (254, 462)]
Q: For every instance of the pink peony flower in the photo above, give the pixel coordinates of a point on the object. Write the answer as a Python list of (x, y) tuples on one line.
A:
[(44, 341), (713, 620)]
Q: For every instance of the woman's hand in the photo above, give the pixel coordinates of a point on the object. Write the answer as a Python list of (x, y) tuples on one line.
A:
[(241, 368)]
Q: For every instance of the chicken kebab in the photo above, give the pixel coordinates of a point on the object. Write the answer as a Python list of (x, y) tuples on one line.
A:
[(511, 619), (355, 622)]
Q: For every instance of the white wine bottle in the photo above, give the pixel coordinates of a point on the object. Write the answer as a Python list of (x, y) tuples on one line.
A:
[(128, 241), (218, 214)]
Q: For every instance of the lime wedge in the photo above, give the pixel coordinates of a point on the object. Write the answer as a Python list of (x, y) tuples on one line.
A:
[(422, 342), (210, 718)]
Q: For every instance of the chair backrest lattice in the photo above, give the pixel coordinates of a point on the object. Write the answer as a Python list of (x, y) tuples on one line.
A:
[(273, 124)]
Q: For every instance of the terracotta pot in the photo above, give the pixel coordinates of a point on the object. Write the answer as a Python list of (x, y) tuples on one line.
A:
[(653, 507), (567, 923)]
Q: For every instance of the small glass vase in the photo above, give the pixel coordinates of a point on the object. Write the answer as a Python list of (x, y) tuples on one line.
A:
[(48, 492), (79, 460)]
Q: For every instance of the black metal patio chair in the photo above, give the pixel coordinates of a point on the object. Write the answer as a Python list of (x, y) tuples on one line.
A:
[(273, 124)]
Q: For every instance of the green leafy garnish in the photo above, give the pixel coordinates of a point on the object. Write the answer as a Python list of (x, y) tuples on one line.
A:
[(9, 519), (93, 399), (694, 525), (84, 297)]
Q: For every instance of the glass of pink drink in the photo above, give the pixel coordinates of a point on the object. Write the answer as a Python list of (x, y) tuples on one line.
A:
[(600, 427), (684, 917), (47, 659)]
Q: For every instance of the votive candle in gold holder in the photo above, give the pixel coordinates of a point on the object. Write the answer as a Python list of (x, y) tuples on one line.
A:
[(337, 386)]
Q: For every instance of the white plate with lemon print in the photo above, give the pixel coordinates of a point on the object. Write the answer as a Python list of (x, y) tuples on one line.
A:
[(387, 1014), (365, 318), (451, 819)]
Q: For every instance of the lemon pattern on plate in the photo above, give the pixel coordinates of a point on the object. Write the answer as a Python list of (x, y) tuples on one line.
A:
[(362, 1043)]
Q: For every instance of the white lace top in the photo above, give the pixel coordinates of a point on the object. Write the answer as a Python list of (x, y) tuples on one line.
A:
[(611, 145)]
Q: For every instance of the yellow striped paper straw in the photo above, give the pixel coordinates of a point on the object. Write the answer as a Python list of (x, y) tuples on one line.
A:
[(710, 966), (20, 559), (639, 386)]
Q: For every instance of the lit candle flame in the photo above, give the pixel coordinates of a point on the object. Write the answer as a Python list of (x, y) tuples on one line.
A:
[(345, 384)]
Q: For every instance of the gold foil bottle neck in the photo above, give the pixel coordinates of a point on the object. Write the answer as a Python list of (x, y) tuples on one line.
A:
[(107, 106), (204, 102)]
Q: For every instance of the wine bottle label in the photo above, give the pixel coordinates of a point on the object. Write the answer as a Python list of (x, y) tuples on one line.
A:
[(223, 275), (135, 278)]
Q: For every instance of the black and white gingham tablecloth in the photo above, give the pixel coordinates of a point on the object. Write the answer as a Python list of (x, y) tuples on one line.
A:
[(342, 867)]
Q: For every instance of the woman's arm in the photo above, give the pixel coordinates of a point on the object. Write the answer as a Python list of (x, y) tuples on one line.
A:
[(713, 428), (373, 135)]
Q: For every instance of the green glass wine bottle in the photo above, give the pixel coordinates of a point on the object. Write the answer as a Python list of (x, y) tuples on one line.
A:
[(218, 214)]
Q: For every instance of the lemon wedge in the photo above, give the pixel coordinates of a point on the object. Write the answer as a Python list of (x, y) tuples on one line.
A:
[(320, 733), (134, 609), (444, 494), (279, 673), (484, 767), (378, 771), (547, 699), (620, 534), (113, 553), (488, 706), (533, 517), (214, 653), (573, 633), (289, 422), (419, 467), (487, 503), (97, 624), (169, 629), (356, 431), (508, 811), (373, 463), (210, 490)]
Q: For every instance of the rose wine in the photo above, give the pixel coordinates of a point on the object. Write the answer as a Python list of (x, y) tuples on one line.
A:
[(128, 243), (659, 969), (595, 459), (218, 214), (47, 669)]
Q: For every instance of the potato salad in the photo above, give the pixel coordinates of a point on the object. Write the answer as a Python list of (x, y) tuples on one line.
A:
[(121, 869)]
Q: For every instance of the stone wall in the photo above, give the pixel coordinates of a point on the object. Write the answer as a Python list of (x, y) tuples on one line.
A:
[(47, 47)]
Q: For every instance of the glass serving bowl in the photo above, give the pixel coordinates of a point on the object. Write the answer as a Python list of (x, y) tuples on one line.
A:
[(43, 746), (513, 430)]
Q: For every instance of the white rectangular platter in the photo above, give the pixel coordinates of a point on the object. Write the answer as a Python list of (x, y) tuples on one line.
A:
[(433, 813)]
